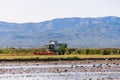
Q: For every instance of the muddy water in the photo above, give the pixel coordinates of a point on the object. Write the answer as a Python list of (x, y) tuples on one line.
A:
[(61, 70)]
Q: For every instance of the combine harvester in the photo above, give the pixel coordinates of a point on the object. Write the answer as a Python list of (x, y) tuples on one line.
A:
[(53, 48)]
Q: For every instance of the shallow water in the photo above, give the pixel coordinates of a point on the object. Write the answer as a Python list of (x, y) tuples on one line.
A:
[(48, 66), (40, 66), (19, 72), (63, 76)]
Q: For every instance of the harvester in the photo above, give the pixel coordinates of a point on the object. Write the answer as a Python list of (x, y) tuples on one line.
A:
[(53, 48)]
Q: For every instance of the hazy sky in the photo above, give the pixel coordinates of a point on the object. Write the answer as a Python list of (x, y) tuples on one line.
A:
[(40, 10)]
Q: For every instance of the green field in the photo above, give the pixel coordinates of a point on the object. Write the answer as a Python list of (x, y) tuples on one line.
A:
[(70, 53)]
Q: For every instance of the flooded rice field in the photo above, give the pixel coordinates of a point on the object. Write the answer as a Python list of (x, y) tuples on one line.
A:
[(60, 70)]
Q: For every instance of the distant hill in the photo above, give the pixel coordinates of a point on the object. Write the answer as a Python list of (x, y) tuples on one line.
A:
[(77, 32)]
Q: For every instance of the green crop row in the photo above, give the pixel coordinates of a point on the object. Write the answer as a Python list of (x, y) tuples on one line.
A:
[(91, 51), (20, 51)]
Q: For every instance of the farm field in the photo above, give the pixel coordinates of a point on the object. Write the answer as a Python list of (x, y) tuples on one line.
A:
[(75, 64), (60, 70), (69, 53), (10, 57)]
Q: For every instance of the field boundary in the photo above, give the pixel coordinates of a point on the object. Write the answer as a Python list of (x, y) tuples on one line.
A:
[(58, 59)]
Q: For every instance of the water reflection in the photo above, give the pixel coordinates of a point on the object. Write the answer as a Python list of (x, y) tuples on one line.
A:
[(63, 76), (42, 71)]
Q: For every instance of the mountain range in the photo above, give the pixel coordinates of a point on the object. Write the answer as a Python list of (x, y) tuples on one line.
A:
[(99, 32)]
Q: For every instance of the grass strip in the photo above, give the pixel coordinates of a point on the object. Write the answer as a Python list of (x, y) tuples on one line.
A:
[(56, 56)]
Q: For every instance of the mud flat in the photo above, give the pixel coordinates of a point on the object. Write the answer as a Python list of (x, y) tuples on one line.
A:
[(61, 70)]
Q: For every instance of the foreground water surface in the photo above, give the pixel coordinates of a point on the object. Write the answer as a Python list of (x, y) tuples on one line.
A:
[(63, 76), (92, 70)]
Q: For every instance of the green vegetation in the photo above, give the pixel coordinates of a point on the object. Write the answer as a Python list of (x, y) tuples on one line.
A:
[(94, 51), (20, 51), (73, 51), (70, 53)]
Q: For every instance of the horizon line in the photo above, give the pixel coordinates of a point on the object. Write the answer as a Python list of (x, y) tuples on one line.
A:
[(53, 19)]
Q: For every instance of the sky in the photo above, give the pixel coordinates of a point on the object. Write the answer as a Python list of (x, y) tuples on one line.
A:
[(22, 11)]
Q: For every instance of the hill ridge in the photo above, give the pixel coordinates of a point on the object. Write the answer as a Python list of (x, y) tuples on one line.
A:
[(75, 31)]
